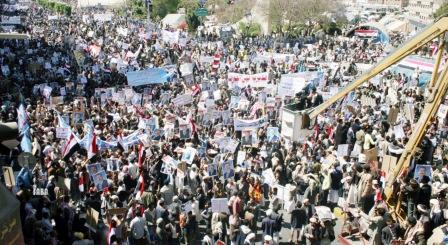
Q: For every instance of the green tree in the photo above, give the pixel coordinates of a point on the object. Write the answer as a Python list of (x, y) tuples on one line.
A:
[(190, 6), (443, 10), (160, 8)]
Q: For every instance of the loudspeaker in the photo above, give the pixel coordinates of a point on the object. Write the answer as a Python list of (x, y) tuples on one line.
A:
[(8, 131)]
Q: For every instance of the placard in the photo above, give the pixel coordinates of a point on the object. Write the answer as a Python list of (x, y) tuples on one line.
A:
[(183, 99), (343, 150), (227, 169), (92, 219), (388, 164), (399, 132), (62, 133), (219, 205), (273, 134), (393, 114), (188, 155), (8, 175), (100, 180), (212, 169), (241, 157), (268, 176)]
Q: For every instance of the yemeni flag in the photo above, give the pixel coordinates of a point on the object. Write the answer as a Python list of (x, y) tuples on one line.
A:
[(141, 185), (141, 151), (70, 143), (196, 90), (81, 182), (93, 147)]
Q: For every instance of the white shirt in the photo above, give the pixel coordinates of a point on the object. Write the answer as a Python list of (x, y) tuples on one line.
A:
[(138, 227)]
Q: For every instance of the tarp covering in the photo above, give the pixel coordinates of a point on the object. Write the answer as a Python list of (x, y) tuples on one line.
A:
[(10, 227), (147, 76)]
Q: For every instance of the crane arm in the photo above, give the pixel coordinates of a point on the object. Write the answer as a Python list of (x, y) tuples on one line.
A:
[(407, 48)]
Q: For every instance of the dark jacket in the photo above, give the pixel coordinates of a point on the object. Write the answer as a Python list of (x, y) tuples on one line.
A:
[(299, 218)]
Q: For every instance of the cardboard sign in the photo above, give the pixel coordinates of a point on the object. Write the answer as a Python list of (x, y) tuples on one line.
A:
[(8, 175), (393, 114), (92, 219), (371, 155), (62, 133), (268, 176), (219, 205), (183, 99), (117, 211), (388, 164)]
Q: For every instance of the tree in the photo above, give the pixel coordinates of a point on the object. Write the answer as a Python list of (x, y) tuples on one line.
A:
[(441, 11), (160, 8), (190, 6), (229, 13)]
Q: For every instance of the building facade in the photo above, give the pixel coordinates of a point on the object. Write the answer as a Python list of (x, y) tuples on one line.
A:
[(395, 3), (423, 10)]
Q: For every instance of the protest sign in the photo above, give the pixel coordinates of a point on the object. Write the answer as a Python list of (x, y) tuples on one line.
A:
[(188, 155), (399, 132), (100, 180), (170, 37), (186, 69), (273, 134), (212, 169), (78, 117), (227, 169), (39, 191), (234, 102), (8, 175), (393, 114), (268, 176), (112, 164), (240, 124), (241, 157), (343, 150), (231, 146), (441, 113), (290, 84), (62, 133), (187, 207), (219, 205), (422, 170), (388, 164), (92, 219), (244, 80), (183, 99), (103, 17), (409, 112), (184, 131), (147, 76), (117, 211)]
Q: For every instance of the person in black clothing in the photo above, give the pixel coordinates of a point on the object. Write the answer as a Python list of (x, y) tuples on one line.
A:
[(298, 220), (425, 192), (392, 231)]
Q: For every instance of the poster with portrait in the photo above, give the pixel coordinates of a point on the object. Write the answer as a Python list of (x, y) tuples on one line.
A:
[(273, 134), (112, 164), (227, 169), (246, 137), (167, 169), (188, 155), (93, 169), (78, 117), (422, 171), (227, 118), (184, 131), (100, 181), (212, 169)]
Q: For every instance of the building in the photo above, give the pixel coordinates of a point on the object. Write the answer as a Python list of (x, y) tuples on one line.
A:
[(394, 3), (422, 10)]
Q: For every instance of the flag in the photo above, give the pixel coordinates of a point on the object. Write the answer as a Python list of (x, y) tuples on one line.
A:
[(62, 123), (141, 184), (81, 182), (93, 147), (196, 90), (141, 150), (435, 48), (25, 144), (69, 144), (22, 119), (192, 123)]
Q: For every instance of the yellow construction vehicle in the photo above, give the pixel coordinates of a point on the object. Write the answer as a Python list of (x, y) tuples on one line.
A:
[(437, 86)]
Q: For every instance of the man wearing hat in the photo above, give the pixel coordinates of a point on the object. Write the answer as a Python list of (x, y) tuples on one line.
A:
[(312, 232)]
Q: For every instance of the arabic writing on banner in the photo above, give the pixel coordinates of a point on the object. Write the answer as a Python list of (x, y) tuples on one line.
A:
[(259, 80), (170, 37), (241, 124), (147, 76)]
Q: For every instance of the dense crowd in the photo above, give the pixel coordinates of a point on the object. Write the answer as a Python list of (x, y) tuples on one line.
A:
[(199, 159)]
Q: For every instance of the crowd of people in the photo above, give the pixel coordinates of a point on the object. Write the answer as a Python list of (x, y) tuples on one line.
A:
[(199, 158)]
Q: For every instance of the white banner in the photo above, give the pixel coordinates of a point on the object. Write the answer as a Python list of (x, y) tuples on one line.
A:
[(186, 69), (62, 133), (170, 37), (241, 124), (259, 80), (102, 17), (183, 99), (219, 205), (11, 20)]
